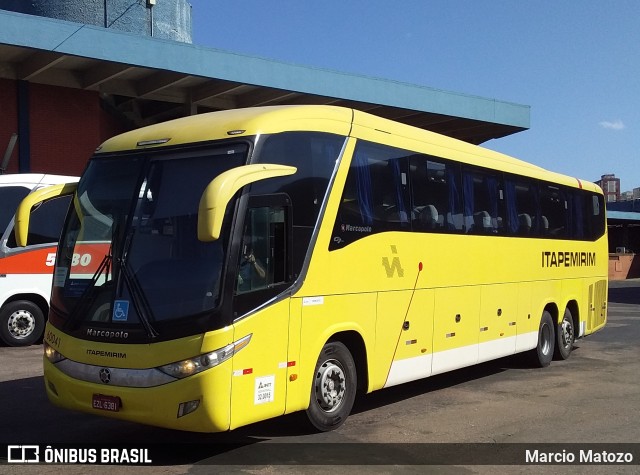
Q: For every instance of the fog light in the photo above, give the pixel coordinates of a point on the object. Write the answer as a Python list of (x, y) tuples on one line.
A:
[(187, 407)]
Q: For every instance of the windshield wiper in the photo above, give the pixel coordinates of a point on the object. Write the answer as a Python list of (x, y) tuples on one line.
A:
[(145, 313), (139, 300)]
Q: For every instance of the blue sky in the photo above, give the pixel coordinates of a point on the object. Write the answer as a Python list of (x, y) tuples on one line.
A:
[(576, 63)]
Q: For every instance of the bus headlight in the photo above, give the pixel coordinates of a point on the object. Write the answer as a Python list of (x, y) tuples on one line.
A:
[(197, 364), (52, 354)]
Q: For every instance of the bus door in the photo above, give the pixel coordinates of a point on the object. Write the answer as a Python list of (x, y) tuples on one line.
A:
[(263, 272)]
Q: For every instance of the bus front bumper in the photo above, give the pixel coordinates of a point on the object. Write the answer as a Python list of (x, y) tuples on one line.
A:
[(199, 403)]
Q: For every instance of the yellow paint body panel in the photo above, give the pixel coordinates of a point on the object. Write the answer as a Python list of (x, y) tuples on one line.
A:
[(455, 326), (498, 311), (322, 319), (260, 379), (404, 330), (217, 125)]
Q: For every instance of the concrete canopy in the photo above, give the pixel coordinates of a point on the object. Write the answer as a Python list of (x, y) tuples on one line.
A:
[(147, 80)]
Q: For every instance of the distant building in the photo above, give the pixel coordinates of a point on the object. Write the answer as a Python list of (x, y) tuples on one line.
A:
[(611, 187), (626, 196)]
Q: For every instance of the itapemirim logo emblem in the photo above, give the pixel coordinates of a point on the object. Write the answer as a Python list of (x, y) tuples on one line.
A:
[(105, 375), (394, 266)]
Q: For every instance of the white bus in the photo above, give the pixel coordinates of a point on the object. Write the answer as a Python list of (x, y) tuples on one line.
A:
[(26, 272)]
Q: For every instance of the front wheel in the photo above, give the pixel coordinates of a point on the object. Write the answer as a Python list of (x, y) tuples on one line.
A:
[(565, 336), (21, 323), (334, 387), (542, 354)]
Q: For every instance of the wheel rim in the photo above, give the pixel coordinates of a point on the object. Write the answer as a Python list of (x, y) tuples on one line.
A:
[(330, 385), (21, 324), (545, 339), (566, 332)]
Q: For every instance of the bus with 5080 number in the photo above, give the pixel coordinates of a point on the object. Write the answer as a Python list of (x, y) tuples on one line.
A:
[(25, 272)]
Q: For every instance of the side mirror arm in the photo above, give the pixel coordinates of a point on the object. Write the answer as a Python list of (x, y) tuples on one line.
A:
[(23, 213), (221, 190)]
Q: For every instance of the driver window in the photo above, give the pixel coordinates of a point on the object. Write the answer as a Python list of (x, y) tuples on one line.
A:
[(263, 250)]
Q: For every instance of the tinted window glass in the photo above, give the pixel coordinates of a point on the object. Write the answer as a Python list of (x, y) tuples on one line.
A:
[(375, 196), (45, 223), (483, 202), (263, 250), (436, 195), (594, 216), (521, 207), (165, 248), (314, 155), (10, 198), (447, 197), (554, 213)]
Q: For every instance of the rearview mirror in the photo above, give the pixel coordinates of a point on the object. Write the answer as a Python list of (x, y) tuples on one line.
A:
[(219, 192)]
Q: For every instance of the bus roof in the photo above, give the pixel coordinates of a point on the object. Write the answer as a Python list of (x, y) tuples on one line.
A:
[(332, 119)]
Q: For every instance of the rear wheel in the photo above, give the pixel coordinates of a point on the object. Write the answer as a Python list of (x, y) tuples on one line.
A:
[(334, 387), (543, 353), (21, 323), (565, 336)]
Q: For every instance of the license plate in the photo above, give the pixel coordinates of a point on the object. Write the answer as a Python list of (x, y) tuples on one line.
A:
[(106, 403)]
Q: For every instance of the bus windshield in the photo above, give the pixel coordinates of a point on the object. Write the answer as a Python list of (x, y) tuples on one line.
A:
[(130, 241)]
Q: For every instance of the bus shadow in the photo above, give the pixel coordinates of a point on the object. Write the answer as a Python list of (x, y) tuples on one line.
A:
[(435, 383), (47, 424), (29, 418), (296, 425), (625, 295)]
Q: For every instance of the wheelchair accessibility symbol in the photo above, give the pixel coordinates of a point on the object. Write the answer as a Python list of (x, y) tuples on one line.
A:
[(120, 310)]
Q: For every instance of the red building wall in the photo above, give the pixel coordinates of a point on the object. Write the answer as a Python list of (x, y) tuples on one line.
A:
[(8, 120), (65, 127)]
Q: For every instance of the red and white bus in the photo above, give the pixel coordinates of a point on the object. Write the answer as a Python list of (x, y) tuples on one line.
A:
[(26, 272)]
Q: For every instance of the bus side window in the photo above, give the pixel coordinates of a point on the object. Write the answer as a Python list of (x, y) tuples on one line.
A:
[(593, 216), (554, 212), (483, 202), (521, 199), (435, 192), (375, 196)]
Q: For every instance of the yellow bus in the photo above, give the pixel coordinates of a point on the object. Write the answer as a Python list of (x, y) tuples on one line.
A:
[(263, 261)]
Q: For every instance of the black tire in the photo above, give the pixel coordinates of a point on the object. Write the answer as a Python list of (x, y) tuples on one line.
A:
[(21, 323), (565, 336), (542, 354), (333, 390)]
